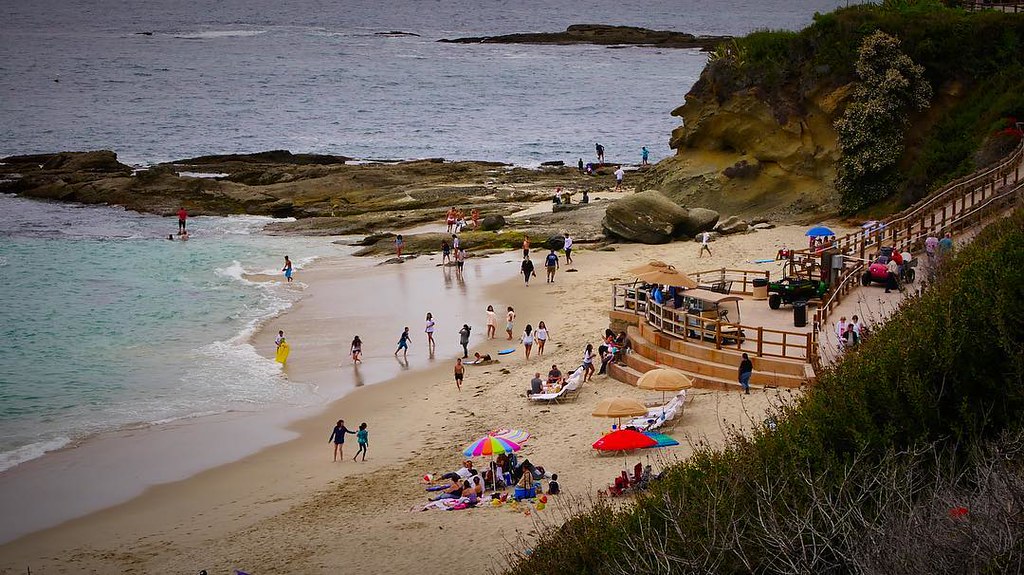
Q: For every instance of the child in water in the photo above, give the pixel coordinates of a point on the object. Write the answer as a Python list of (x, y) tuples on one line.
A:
[(362, 438)]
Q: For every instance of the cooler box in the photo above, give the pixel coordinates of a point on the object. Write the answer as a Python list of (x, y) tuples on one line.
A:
[(524, 493), (760, 289)]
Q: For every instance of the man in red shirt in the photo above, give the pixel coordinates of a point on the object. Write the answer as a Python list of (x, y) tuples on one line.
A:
[(182, 216)]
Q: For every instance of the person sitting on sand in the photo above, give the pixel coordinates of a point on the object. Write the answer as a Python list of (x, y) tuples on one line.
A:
[(554, 376), (454, 490)]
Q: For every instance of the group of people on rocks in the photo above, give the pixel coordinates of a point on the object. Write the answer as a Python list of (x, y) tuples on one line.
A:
[(456, 219)]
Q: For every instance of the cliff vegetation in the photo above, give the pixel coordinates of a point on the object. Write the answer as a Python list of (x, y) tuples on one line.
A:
[(763, 128)]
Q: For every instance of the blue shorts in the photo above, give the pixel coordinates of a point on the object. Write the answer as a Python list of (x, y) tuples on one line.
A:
[(288, 273), (403, 343)]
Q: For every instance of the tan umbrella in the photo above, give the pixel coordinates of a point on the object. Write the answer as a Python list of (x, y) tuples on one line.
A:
[(651, 266), (669, 276), (663, 380), (619, 407)]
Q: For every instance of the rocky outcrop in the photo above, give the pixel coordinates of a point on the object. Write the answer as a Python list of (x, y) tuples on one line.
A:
[(492, 223), (739, 152), (601, 34), (732, 225), (101, 161), (651, 218)]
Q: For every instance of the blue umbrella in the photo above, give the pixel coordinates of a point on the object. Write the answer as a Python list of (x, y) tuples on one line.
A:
[(819, 231), (661, 439)]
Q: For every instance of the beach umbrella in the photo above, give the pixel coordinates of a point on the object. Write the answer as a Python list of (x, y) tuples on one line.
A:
[(619, 407), (669, 276), (664, 379), (651, 266), (660, 439), (819, 231), (490, 445), (514, 435), (624, 440)]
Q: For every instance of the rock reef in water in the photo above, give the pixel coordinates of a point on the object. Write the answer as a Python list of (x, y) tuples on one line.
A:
[(601, 34)]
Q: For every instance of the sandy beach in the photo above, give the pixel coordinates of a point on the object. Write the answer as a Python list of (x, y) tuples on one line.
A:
[(289, 509)]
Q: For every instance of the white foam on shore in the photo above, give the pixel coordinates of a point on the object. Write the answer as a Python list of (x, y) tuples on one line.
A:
[(9, 459), (205, 175)]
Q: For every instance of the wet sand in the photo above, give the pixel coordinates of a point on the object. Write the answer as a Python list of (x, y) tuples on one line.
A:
[(290, 509)]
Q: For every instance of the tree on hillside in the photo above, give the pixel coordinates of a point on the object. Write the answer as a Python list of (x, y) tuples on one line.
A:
[(871, 129)]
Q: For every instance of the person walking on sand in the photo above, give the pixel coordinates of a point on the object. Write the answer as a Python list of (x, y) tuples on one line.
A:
[(464, 339), (600, 153), (356, 351), (618, 178), (644, 154), (460, 260), (182, 216), (567, 246), (527, 340), (588, 362), (429, 330), (746, 369), (287, 269), (399, 244), (551, 264), (541, 335), (704, 238), (460, 372), (492, 322), (510, 319), (527, 269), (362, 437), (403, 344), (526, 246), (338, 439)]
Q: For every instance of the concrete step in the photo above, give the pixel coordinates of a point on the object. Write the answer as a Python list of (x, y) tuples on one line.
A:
[(725, 356), (626, 373), (647, 356)]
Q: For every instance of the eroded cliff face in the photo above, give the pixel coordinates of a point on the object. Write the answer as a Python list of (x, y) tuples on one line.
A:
[(741, 154)]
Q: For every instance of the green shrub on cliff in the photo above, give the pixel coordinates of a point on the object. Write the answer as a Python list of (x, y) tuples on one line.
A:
[(907, 457), (871, 130)]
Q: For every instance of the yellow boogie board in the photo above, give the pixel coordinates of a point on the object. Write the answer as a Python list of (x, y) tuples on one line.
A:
[(282, 352)]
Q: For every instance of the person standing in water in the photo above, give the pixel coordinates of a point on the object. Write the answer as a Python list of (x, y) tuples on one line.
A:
[(464, 339), (429, 330), (356, 351), (492, 322), (362, 437), (287, 269), (182, 216), (279, 339), (446, 252), (403, 344), (338, 438), (399, 244)]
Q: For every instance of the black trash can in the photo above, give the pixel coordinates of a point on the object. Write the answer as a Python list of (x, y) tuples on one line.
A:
[(799, 313), (760, 282)]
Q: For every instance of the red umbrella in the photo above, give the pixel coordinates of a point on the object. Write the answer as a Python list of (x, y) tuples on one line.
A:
[(624, 440)]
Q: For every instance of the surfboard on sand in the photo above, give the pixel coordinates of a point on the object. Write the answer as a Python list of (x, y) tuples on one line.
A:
[(282, 353), (506, 351)]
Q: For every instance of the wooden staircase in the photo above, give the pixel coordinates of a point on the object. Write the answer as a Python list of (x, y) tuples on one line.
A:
[(709, 368)]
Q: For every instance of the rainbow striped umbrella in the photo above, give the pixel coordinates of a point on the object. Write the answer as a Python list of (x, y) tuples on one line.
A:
[(514, 435), (490, 445)]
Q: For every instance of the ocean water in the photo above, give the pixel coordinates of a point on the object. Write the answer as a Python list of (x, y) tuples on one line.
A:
[(310, 76), (106, 324)]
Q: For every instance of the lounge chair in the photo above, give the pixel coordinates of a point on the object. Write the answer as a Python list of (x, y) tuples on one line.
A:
[(660, 416), (570, 390)]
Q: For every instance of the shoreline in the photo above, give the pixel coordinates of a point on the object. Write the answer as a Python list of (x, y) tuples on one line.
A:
[(418, 422)]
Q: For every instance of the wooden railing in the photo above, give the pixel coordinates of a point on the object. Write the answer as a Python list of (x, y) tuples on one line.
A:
[(758, 340), (742, 280), (959, 205), (1008, 7)]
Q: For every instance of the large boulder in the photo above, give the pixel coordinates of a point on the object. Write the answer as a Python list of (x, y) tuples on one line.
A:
[(732, 225), (698, 220), (492, 223), (647, 217)]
